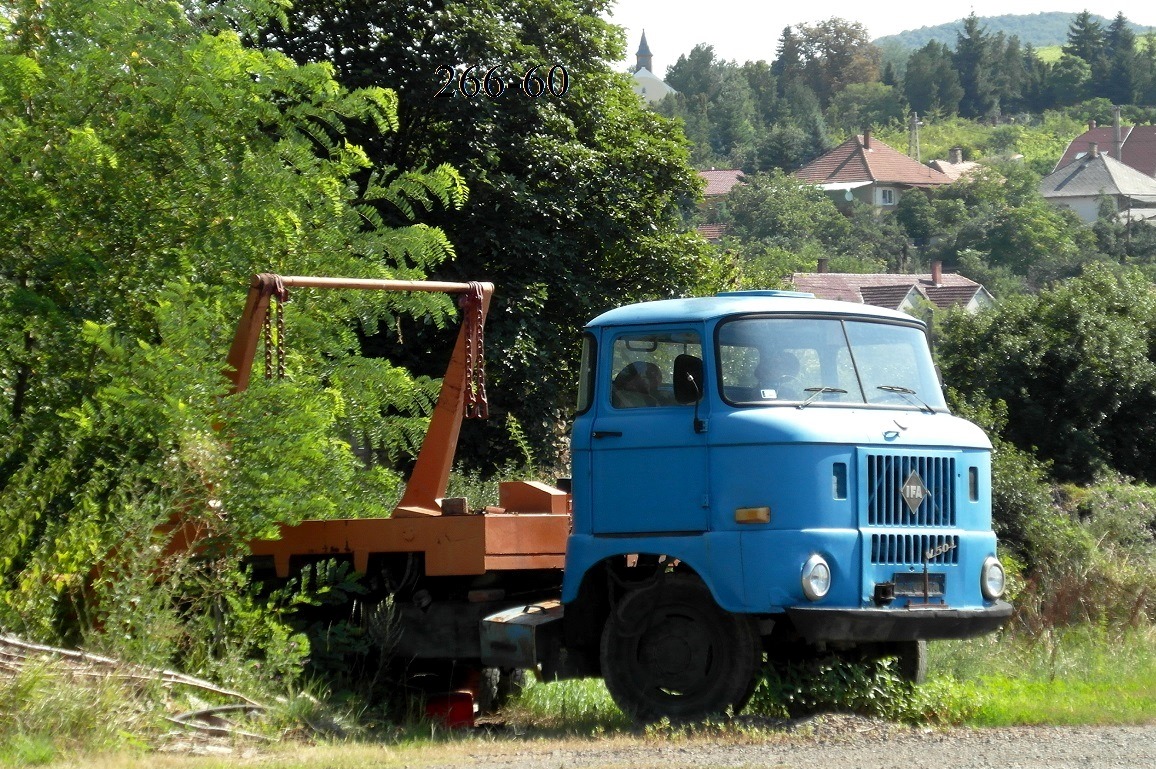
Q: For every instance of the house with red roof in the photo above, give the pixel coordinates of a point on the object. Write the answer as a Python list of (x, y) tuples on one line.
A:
[(1095, 178), (865, 169), (719, 182), (1132, 145), (909, 293)]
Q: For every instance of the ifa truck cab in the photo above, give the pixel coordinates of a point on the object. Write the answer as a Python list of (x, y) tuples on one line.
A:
[(759, 473)]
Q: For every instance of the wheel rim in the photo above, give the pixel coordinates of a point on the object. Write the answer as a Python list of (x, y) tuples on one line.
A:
[(675, 658), (678, 655)]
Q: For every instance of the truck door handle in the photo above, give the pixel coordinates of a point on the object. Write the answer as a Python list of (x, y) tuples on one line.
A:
[(607, 433)]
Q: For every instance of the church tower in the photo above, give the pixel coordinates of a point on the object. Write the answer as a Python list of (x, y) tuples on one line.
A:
[(644, 59)]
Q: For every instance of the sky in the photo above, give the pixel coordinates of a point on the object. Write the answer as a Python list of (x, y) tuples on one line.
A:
[(748, 30)]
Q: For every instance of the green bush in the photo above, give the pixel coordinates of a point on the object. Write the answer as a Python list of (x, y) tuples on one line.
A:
[(871, 689)]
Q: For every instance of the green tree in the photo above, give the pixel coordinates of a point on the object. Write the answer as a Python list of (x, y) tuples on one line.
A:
[(764, 90), (1085, 38), (1120, 49), (1074, 366), (1010, 72), (835, 54), (150, 164), (1146, 70), (1070, 81), (931, 84), (695, 73), (779, 209), (779, 225), (865, 105), (917, 217), (1034, 88), (576, 199), (1013, 226), (788, 66), (785, 147), (973, 61)]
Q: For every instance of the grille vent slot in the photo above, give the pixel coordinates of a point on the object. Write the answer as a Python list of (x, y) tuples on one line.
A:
[(886, 475), (909, 549)]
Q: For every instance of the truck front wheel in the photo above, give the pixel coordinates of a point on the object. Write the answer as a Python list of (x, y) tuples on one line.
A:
[(668, 650)]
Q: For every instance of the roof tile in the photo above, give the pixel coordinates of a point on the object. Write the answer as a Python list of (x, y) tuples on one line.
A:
[(721, 181), (863, 158)]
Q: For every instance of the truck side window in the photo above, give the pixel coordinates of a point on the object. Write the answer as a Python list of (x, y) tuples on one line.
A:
[(642, 367), (586, 373)]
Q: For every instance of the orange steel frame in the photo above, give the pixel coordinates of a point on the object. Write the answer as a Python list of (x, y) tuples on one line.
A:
[(532, 536)]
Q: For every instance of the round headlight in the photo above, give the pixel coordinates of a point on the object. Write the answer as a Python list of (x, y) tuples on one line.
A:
[(991, 578), (816, 577)]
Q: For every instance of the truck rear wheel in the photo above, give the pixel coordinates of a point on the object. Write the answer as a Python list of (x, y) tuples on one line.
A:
[(669, 651)]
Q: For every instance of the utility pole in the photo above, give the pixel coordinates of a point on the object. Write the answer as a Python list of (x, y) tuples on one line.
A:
[(913, 137)]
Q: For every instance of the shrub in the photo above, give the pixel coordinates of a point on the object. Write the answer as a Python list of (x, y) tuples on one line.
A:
[(871, 689)]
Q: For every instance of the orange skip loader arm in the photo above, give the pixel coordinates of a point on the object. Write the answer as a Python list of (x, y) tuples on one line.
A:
[(428, 482)]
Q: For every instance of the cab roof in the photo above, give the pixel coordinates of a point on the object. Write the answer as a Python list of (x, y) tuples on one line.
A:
[(740, 303)]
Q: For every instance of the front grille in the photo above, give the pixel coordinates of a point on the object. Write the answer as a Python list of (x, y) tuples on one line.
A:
[(886, 475), (911, 549)]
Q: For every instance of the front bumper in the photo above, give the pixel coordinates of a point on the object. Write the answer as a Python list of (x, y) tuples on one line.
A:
[(899, 624)]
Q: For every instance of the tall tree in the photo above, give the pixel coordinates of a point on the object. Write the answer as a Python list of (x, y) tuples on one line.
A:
[(764, 90), (1008, 72), (789, 62), (1034, 90), (973, 61), (575, 192), (837, 53), (865, 105), (1085, 38), (696, 72), (1146, 70), (1120, 49), (931, 84)]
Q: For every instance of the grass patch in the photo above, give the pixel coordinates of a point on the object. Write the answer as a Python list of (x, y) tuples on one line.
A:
[(1080, 675), (573, 707), (47, 712)]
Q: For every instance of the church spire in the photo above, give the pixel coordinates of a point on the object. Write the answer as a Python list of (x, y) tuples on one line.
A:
[(643, 58)]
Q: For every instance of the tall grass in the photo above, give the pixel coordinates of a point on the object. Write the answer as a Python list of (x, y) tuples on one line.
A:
[(47, 712), (582, 706)]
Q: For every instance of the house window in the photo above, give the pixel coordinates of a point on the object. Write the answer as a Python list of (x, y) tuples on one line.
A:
[(887, 197)]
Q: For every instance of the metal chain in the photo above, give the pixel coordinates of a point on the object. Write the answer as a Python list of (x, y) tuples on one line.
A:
[(279, 294), (280, 339), (477, 407), (267, 340)]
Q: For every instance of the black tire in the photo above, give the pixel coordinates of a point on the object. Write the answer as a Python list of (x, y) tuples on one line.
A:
[(497, 686), (911, 658), (670, 652)]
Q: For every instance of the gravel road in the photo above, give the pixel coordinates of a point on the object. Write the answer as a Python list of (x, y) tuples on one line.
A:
[(837, 742)]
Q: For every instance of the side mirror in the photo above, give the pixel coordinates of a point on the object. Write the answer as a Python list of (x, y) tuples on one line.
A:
[(687, 379)]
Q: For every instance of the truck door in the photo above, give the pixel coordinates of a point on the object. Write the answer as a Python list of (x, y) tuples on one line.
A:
[(649, 464)]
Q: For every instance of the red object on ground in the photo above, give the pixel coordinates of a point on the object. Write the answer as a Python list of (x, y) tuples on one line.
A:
[(454, 710)]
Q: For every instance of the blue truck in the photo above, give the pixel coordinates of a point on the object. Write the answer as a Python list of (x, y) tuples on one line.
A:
[(756, 476), (764, 473)]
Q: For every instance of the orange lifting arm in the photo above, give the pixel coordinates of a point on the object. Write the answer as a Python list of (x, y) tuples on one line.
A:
[(430, 477)]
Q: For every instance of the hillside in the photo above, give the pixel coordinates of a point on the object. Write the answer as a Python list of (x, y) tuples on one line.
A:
[(1038, 29)]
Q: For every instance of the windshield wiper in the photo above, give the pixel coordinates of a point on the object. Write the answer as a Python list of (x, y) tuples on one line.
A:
[(816, 392), (909, 393)]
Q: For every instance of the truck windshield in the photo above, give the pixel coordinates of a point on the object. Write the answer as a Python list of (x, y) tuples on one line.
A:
[(826, 361)]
